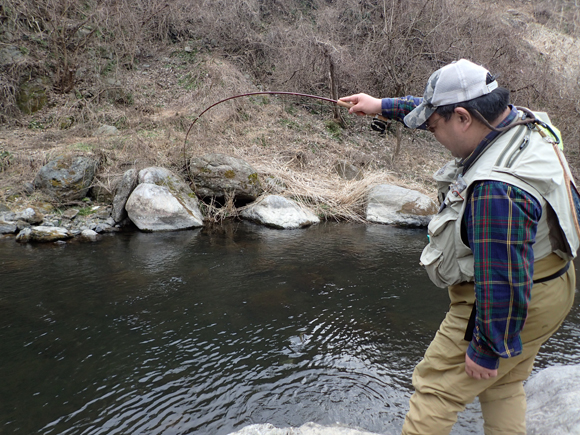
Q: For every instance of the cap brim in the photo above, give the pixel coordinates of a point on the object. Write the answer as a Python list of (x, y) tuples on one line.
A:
[(419, 115)]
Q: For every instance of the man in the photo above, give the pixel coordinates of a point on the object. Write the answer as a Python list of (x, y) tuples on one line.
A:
[(502, 243)]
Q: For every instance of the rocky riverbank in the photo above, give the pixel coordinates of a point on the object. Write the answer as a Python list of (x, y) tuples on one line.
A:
[(157, 199)]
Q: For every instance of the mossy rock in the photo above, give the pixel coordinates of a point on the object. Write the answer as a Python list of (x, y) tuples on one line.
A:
[(217, 175), (67, 177), (32, 95)]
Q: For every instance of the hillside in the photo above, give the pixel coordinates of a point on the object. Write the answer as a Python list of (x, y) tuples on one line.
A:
[(149, 72)]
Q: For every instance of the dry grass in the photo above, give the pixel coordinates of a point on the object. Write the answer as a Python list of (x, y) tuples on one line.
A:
[(149, 68), (293, 143)]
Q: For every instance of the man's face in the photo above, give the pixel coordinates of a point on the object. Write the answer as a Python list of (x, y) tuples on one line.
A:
[(449, 133)]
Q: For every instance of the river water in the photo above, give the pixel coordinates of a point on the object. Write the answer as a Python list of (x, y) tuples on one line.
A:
[(209, 331)]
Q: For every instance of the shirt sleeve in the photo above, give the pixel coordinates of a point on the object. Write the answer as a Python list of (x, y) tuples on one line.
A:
[(398, 108), (501, 222)]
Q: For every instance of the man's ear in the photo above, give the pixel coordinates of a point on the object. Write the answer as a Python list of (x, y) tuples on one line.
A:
[(464, 117)]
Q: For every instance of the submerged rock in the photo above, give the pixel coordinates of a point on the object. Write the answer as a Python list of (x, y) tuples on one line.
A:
[(395, 205), (278, 212), (43, 234), (88, 236)]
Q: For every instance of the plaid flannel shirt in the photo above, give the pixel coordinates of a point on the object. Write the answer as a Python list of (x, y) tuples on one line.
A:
[(500, 222)]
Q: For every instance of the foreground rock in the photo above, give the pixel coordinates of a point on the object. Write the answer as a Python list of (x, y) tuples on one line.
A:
[(279, 212), (67, 178), (395, 205), (163, 202), (306, 429), (219, 175), (553, 397)]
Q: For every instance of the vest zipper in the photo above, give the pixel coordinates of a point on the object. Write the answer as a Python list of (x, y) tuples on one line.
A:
[(518, 151)]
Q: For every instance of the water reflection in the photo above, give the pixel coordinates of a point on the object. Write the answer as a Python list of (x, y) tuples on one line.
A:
[(209, 331)]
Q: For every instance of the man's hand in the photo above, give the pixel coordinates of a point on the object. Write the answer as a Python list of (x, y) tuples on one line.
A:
[(476, 371), (363, 104)]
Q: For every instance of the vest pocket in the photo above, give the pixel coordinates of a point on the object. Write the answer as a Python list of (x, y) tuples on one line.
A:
[(439, 257), (442, 271), (430, 260)]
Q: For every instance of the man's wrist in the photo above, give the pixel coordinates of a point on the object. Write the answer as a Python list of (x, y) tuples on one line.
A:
[(476, 354), (387, 107)]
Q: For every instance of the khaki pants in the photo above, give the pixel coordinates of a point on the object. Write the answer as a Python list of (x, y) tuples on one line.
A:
[(442, 388)]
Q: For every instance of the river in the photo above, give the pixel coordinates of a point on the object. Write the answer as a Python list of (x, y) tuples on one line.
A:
[(208, 331)]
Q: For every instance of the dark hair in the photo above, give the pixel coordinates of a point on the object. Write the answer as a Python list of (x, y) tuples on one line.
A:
[(490, 106)]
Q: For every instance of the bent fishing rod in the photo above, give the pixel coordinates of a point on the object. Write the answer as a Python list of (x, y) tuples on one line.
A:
[(249, 94)]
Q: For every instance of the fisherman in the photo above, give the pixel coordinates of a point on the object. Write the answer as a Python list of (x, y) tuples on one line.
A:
[(502, 243)]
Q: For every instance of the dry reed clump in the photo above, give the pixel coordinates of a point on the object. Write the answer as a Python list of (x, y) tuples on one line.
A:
[(328, 195)]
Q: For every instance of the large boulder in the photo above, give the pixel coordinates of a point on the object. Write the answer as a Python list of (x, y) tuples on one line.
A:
[(553, 397), (388, 204), (217, 175), (67, 178), (126, 185), (155, 208), (279, 212), (163, 202)]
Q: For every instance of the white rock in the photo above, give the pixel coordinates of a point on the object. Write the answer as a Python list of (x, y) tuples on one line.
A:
[(30, 215), (279, 212), (89, 235), (7, 227), (155, 208), (553, 397), (305, 429), (395, 205)]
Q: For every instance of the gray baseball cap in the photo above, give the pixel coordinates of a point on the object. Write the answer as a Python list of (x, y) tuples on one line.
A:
[(454, 83)]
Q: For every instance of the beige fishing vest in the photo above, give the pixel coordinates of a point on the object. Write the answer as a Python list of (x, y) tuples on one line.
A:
[(520, 157)]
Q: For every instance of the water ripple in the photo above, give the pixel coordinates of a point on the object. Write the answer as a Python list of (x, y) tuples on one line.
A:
[(323, 325)]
